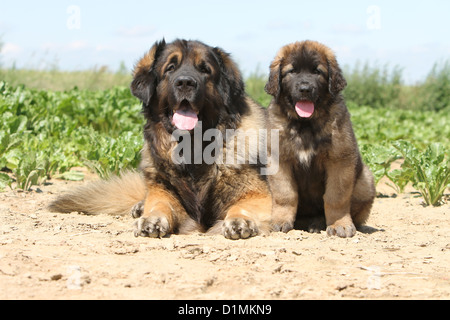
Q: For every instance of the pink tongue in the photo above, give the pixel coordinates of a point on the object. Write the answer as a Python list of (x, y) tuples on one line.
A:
[(185, 120), (304, 109)]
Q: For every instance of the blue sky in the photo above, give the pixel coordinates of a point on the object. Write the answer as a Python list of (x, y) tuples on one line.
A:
[(79, 34)]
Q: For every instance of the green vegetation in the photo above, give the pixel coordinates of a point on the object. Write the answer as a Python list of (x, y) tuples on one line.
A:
[(60, 120), (394, 121), (44, 133), (375, 87), (380, 87), (56, 80), (428, 171)]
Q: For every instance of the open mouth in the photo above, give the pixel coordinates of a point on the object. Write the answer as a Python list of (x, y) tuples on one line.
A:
[(185, 118), (304, 108)]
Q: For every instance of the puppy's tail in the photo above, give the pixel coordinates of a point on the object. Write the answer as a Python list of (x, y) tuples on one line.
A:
[(115, 196)]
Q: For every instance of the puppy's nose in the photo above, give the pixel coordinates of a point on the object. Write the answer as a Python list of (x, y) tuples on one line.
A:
[(305, 88), (185, 82)]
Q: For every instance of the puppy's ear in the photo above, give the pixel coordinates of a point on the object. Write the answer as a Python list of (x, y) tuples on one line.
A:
[(232, 85), (273, 85), (144, 75), (336, 80)]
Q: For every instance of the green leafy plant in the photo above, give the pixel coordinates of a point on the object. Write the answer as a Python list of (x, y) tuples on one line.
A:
[(5, 181), (44, 134), (399, 178), (111, 156), (28, 172), (429, 170), (379, 159)]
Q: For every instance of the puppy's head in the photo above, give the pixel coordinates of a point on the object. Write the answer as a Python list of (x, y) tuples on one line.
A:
[(184, 82), (303, 76)]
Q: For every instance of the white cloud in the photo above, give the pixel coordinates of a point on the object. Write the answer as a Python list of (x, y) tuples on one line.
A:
[(11, 49)]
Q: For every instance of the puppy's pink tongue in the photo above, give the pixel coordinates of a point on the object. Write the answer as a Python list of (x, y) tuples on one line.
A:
[(304, 109), (185, 119)]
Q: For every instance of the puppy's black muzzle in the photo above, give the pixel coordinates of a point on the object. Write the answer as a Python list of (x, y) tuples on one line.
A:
[(304, 88)]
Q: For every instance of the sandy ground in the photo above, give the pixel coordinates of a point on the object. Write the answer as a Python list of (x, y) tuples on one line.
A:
[(403, 253)]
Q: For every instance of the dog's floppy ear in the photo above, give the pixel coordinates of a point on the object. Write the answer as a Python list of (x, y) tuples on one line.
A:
[(273, 85), (336, 80), (144, 75), (232, 85)]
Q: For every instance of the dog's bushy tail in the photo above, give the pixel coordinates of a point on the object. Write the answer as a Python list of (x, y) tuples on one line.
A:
[(115, 196)]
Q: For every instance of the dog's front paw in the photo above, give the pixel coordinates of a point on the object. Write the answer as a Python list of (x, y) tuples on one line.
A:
[(153, 227), (281, 226), (341, 230), (138, 209), (239, 228)]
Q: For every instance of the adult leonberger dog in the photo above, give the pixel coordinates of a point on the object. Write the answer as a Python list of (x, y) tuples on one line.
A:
[(322, 181), (186, 89)]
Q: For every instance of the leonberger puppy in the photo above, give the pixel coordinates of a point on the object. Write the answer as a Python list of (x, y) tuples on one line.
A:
[(188, 89), (322, 181)]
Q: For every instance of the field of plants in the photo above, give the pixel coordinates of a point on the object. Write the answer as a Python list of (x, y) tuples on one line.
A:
[(44, 133)]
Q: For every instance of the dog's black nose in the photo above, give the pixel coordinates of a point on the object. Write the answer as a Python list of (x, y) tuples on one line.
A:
[(305, 88), (185, 82)]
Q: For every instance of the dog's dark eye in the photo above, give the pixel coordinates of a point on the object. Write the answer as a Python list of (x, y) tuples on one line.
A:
[(170, 68), (289, 71), (317, 71), (203, 68)]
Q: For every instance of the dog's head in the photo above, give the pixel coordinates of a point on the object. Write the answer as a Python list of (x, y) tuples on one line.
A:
[(184, 82), (304, 76)]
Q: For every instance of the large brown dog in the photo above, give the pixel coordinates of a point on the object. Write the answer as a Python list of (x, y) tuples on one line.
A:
[(188, 89), (322, 179)]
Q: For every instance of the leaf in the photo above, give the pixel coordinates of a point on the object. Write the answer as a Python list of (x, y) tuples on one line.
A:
[(430, 169), (71, 175), (5, 181)]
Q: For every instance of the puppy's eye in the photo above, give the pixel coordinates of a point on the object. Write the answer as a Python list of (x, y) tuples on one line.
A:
[(170, 68), (318, 71), (289, 71), (203, 68)]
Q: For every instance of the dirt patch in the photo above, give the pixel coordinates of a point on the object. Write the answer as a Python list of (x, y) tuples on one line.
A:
[(404, 253)]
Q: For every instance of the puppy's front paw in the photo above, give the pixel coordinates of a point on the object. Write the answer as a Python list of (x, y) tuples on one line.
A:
[(343, 231), (239, 228), (281, 226), (153, 227)]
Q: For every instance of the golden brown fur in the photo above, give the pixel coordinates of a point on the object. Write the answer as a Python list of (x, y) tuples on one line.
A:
[(114, 196), (322, 180), (229, 198)]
